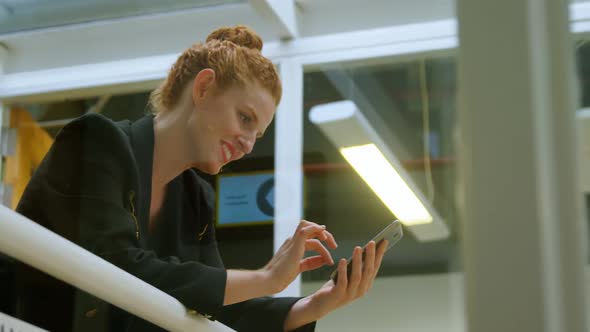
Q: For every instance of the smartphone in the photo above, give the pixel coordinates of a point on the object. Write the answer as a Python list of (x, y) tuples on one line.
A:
[(392, 233)]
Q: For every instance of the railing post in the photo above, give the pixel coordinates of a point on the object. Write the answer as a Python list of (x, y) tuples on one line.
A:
[(289, 160)]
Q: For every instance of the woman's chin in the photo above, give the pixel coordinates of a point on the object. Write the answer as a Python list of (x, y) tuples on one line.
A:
[(214, 169), (209, 168)]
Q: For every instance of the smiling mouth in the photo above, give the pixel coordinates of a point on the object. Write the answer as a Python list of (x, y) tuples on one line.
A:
[(226, 152)]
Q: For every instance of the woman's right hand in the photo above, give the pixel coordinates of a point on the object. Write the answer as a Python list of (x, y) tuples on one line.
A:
[(288, 262)]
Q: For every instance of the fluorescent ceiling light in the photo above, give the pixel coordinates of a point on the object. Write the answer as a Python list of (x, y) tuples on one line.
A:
[(386, 182), (348, 129)]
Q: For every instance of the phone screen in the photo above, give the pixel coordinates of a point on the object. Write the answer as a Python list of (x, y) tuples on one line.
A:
[(392, 232)]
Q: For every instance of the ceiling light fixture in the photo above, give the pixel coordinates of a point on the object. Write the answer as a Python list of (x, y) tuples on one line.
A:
[(345, 125)]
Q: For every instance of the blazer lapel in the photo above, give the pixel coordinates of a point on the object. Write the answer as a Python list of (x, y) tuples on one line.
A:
[(142, 143)]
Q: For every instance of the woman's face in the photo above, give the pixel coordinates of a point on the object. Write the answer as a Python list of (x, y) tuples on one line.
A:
[(226, 123)]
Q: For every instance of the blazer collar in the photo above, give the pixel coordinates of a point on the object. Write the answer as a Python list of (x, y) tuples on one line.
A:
[(142, 142)]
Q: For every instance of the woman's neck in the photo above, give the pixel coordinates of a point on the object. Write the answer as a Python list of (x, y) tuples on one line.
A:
[(170, 150)]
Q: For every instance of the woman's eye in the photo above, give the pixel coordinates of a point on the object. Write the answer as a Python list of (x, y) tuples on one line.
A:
[(245, 118)]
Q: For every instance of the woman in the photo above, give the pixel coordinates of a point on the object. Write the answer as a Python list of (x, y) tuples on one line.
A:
[(129, 193)]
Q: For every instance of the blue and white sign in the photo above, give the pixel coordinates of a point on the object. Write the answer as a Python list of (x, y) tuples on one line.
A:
[(245, 199)]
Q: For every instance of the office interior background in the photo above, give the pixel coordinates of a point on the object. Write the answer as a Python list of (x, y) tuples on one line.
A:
[(483, 105)]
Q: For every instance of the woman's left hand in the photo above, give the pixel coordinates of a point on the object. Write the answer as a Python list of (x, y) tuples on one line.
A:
[(334, 295)]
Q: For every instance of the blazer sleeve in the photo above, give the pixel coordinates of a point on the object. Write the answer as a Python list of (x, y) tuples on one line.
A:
[(264, 314), (80, 192)]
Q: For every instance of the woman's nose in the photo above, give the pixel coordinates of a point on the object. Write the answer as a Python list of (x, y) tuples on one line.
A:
[(247, 143)]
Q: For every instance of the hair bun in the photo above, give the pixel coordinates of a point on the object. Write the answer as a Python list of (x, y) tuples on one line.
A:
[(240, 35)]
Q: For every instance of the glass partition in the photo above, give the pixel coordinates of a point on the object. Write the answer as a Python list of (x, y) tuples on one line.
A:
[(33, 130), (411, 105)]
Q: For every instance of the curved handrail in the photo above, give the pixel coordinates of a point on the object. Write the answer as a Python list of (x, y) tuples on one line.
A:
[(68, 262)]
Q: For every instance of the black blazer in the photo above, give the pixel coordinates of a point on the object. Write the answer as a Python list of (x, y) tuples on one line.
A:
[(94, 188)]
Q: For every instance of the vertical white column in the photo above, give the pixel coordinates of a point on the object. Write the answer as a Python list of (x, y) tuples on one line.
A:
[(524, 226), (288, 160), (3, 123)]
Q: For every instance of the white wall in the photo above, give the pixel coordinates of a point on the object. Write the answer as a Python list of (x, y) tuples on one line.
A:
[(423, 303), (419, 303)]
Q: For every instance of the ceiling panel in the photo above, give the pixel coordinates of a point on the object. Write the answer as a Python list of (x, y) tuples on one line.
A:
[(23, 15)]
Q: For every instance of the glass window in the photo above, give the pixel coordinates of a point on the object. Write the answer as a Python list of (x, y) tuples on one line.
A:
[(583, 118), (35, 127), (411, 104), (336, 195)]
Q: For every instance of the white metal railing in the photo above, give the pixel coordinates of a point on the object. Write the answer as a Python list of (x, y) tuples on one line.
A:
[(8, 323), (33, 244)]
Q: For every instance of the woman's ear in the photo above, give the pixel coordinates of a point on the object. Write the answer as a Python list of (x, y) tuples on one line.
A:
[(203, 83)]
